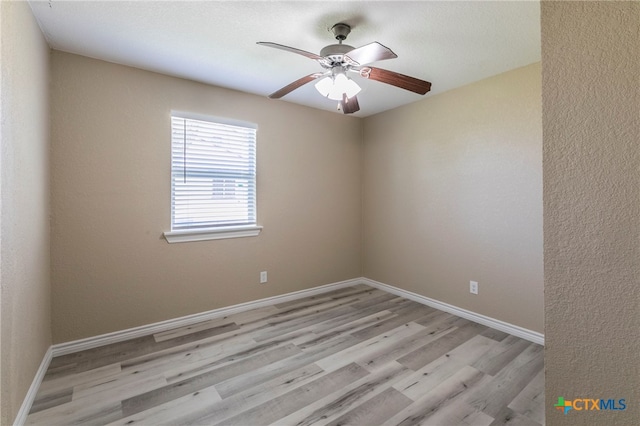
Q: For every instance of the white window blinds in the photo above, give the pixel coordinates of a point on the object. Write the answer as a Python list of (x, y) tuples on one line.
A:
[(213, 174)]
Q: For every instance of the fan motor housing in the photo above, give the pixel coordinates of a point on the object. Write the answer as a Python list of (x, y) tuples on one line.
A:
[(335, 49)]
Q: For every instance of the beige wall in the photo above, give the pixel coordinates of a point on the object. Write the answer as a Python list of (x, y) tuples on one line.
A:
[(112, 270), (24, 230), (591, 122), (453, 193)]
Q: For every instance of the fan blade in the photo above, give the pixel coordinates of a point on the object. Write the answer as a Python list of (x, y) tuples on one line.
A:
[(396, 79), (290, 49), (293, 86), (349, 105), (369, 53)]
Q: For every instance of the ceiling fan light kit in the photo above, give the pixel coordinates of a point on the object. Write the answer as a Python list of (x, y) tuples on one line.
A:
[(338, 60), (334, 86)]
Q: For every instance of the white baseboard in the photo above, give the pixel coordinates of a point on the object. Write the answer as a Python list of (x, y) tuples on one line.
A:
[(145, 330), (532, 336), (21, 417), (122, 335)]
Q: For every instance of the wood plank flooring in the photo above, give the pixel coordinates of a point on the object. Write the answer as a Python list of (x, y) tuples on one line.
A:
[(354, 356)]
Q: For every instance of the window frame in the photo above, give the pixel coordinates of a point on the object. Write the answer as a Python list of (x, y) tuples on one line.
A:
[(213, 232)]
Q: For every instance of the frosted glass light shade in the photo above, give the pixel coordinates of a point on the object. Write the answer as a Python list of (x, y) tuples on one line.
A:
[(334, 87)]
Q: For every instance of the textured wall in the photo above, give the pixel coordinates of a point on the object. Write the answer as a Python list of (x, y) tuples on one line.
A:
[(111, 268), (591, 126), (453, 193), (24, 235)]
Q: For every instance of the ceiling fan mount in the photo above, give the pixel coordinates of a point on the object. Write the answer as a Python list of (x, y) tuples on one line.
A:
[(341, 31), (339, 59), (334, 53)]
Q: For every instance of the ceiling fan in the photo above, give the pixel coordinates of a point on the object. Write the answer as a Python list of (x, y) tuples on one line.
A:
[(338, 60)]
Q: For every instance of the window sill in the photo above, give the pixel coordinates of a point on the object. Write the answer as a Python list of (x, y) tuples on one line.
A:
[(189, 235)]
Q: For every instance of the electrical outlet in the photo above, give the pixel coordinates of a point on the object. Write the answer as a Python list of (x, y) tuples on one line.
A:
[(473, 287), (263, 277)]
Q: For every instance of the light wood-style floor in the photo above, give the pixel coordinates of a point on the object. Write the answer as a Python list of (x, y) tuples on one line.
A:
[(355, 356)]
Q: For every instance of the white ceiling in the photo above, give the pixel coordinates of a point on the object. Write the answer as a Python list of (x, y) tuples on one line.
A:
[(450, 43)]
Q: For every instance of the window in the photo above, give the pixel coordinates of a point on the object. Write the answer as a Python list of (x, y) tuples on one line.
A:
[(213, 179)]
